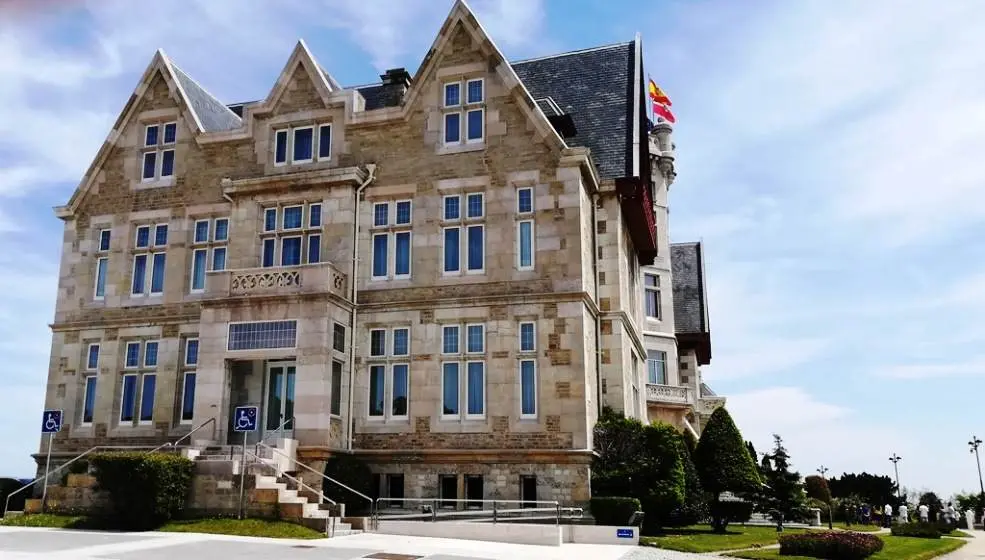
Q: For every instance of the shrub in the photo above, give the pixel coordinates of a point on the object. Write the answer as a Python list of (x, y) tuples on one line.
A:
[(612, 510), (833, 545), (731, 510), (723, 461), (79, 467), (919, 530), (145, 489), (695, 506), (354, 473), (9, 485), (817, 488)]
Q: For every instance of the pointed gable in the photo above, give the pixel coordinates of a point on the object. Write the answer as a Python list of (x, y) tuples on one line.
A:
[(302, 85)]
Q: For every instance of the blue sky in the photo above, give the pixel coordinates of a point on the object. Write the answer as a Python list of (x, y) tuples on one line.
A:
[(829, 156)]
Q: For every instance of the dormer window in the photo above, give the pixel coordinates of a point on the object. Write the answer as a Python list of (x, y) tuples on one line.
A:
[(464, 112), (302, 144), (157, 154)]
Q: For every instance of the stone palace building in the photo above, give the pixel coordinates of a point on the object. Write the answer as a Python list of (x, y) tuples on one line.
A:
[(446, 274)]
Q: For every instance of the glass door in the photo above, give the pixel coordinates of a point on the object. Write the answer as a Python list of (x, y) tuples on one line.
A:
[(279, 402)]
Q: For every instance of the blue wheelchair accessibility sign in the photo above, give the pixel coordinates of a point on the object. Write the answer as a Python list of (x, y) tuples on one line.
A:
[(245, 419), (51, 421)]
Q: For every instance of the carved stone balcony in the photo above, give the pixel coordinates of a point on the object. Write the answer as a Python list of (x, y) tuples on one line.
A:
[(708, 405), (668, 395), (277, 281)]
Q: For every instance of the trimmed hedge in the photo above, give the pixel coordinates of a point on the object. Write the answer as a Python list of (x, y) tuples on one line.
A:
[(354, 473), (919, 530), (614, 510), (832, 545), (731, 511), (145, 489)]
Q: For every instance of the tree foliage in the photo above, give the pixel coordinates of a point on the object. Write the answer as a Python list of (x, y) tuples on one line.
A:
[(723, 463), (817, 488), (933, 503), (639, 461), (870, 489), (695, 506), (145, 489), (784, 493)]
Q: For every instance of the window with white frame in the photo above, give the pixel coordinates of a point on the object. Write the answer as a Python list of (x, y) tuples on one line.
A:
[(391, 231), (528, 337), (528, 388), (464, 112), (89, 383), (302, 144), (463, 234), (389, 374), (463, 371), (139, 381), (656, 367), (651, 296), (149, 260), (291, 235), (102, 263), (209, 239), (525, 228), (157, 153), (190, 376)]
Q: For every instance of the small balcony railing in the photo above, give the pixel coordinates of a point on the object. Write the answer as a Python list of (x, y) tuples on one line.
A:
[(708, 405), (277, 281), (668, 394)]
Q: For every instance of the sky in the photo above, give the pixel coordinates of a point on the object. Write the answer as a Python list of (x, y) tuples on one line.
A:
[(829, 155)]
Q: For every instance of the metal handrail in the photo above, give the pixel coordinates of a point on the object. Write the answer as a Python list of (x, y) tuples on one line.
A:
[(188, 435), (279, 430), (67, 463), (372, 504), (553, 507), (300, 483)]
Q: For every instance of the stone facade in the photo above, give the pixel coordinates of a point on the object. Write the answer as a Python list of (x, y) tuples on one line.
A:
[(236, 303)]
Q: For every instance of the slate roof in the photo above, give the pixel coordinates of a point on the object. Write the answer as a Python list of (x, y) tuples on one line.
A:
[(213, 114), (594, 86), (690, 300)]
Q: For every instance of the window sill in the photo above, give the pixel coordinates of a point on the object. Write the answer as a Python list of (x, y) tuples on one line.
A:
[(446, 149), (155, 184)]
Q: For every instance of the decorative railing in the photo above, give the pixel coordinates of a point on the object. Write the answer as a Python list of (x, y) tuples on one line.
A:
[(667, 394), (274, 281), (708, 405), (246, 282)]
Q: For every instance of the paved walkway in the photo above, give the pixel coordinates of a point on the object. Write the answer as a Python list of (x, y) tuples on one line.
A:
[(53, 544), (974, 549)]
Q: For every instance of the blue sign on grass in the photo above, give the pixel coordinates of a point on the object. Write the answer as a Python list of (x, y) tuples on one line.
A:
[(245, 419)]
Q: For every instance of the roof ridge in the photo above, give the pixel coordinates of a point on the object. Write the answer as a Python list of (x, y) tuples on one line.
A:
[(568, 53), (201, 87)]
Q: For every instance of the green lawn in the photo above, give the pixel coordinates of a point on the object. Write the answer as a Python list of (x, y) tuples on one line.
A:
[(897, 548), (245, 527), (700, 538), (857, 528), (960, 533)]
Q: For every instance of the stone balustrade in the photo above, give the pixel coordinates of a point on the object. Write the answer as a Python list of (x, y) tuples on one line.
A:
[(708, 405), (668, 394), (277, 281)]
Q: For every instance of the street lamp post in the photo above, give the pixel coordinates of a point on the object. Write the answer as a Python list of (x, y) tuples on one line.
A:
[(974, 443), (823, 470), (895, 459)]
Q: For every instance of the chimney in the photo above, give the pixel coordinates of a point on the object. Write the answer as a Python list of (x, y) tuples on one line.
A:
[(395, 84)]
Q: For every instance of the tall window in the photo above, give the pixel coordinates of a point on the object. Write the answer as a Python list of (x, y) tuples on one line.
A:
[(149, 260), (338, 337), (157, 154), (656, 367), (392, 223), (464, 112), (302, 144), (89, 384), (464, 234), (463, 372), (525, 228), (336, 402), (389, 374), (188, 381), (139, 382), (291, 235), (651, 286), (209, 241), (102, 263)]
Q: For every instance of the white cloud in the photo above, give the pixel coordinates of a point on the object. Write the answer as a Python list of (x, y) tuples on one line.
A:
[(969, 368)]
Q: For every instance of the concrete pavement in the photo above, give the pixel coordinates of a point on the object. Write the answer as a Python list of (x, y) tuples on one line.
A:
[(20, 543)]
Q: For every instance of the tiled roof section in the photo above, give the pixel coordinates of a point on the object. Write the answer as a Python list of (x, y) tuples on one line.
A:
[(214, 115), (690, 300), (593, 86), (706, 391)]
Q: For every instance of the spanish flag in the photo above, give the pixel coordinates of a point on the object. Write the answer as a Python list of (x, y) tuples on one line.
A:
[(658, 95)]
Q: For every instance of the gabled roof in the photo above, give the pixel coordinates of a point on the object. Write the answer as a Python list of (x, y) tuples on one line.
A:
[(212, 113), (594, 86), (690, 299)]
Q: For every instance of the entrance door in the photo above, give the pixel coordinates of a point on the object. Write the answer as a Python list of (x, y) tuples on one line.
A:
[(279, 401)]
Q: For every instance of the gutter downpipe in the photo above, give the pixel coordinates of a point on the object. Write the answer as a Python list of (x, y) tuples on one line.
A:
[(371, 167), (596, 198)]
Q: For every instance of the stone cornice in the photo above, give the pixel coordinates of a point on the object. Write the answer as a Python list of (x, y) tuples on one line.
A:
[(634, 332), (335, 175)]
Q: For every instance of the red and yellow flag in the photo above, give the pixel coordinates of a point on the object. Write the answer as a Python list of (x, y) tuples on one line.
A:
[(658, 95)]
